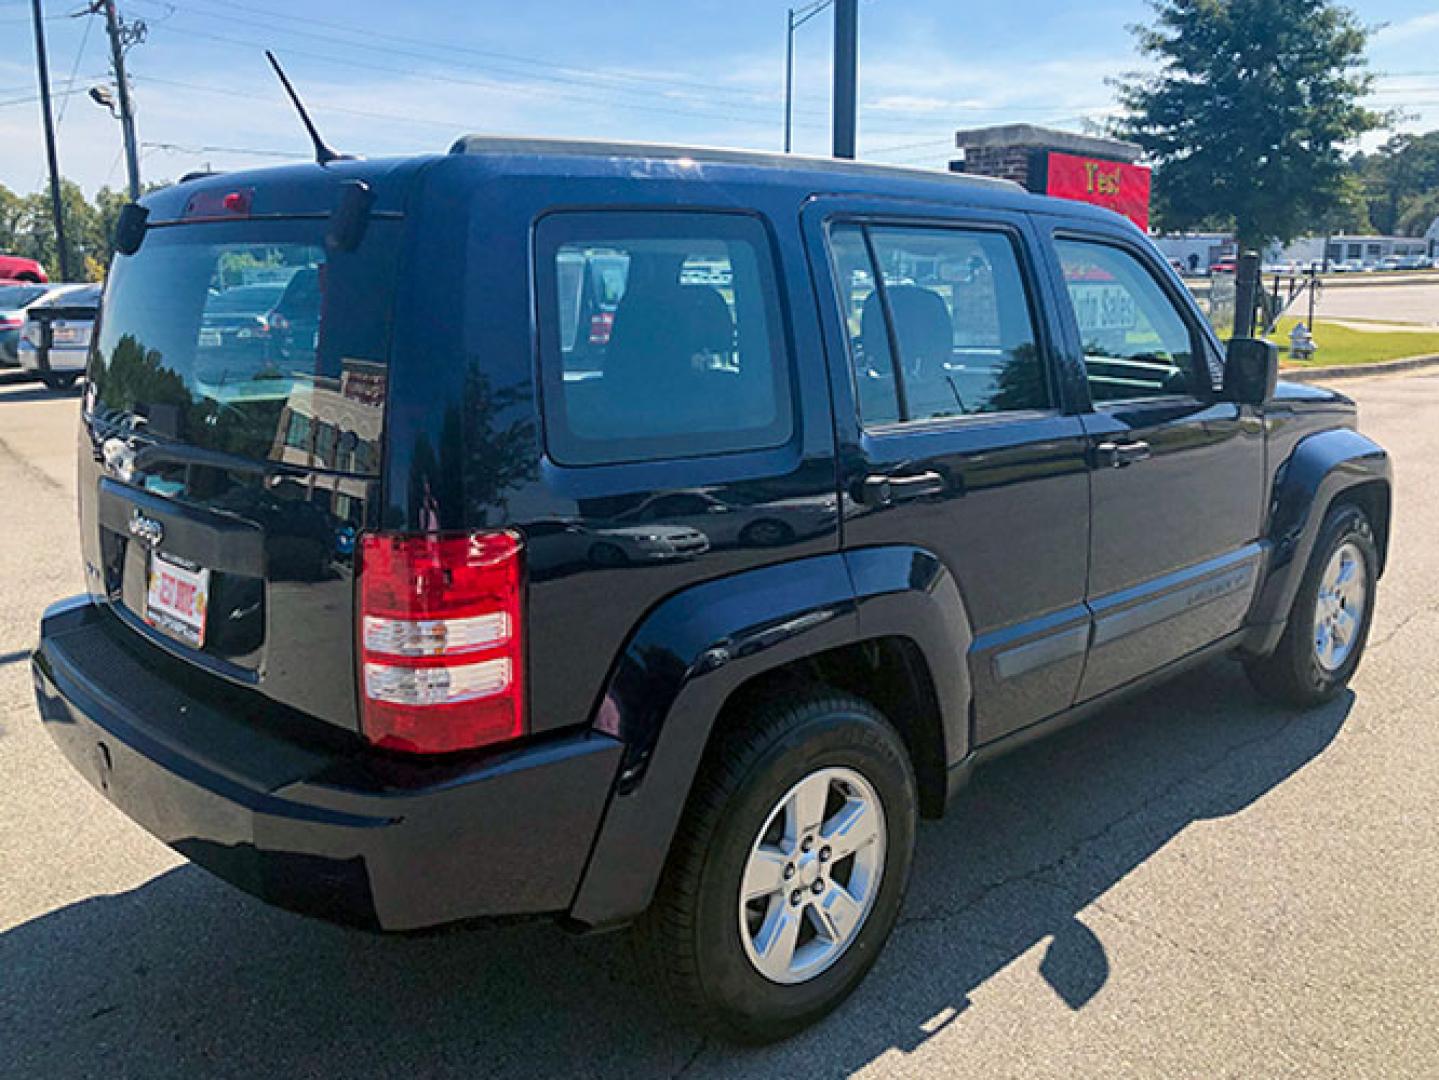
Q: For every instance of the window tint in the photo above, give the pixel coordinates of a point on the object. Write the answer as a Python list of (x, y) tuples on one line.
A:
[(1136, 344), (660, 337), (219, 335), (959, 314)]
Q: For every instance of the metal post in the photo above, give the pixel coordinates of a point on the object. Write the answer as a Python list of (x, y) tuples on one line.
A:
[(42, 66), (127, 114), (846, 76), (1246, 293), (788, 79)]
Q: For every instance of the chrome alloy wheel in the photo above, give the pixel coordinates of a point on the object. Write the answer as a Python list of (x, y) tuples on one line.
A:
[(1339, 612), (812, 875)]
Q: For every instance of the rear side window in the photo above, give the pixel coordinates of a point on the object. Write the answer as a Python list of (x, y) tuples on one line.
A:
[(661, 336), (952, 301)]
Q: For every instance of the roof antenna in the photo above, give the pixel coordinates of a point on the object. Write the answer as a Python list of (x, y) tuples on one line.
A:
[(323, 154)]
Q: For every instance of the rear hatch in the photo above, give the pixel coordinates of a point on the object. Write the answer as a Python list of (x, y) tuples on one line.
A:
[(225, 475)]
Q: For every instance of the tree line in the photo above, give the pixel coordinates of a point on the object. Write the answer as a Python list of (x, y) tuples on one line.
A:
[(1245, 115), (27, 228)]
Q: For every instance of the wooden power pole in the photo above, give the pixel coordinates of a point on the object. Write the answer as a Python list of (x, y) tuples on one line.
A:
[(42, 66)]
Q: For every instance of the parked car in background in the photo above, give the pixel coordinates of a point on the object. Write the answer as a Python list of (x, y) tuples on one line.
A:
[(14, 299), (16, 268), (1224, 266), (236, 330), (1391, 263), (55, 340)]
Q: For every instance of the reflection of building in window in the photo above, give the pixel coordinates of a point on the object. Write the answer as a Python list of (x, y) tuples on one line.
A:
[(335, 424)]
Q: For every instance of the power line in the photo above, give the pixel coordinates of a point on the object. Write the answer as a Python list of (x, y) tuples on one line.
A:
[(554, 74), (387, 39)]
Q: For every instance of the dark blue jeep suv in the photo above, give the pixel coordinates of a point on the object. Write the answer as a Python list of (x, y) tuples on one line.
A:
[(633, 534)]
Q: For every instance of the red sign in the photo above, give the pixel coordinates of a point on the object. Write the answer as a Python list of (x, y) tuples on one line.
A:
[(1110, 184)]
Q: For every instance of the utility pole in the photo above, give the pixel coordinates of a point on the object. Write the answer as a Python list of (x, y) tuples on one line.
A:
[(121, 37), (846, 76), (42, 66)]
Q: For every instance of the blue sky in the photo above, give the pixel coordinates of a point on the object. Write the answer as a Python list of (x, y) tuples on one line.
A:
[(397, 78)]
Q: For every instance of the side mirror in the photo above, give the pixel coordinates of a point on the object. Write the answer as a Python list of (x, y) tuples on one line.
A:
[(1251, 370)]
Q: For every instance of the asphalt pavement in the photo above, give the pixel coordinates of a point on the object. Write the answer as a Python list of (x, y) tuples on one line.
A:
[(1191, 885)]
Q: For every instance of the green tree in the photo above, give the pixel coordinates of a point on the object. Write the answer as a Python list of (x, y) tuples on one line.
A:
[(1247, 112), (1401, 183)]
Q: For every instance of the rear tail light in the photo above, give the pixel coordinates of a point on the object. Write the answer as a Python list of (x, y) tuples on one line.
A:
[(441, 643), (602, 325), (11, 322)]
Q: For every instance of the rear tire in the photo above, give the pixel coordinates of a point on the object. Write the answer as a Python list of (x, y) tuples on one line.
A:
[(1328, 625), (706, 944)]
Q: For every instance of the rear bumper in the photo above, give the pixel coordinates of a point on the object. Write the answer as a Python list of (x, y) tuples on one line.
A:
[(55, 359), (316, 825)]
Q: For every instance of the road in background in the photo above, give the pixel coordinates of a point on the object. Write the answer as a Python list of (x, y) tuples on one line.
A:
[(1378, 302), (1193, 884)]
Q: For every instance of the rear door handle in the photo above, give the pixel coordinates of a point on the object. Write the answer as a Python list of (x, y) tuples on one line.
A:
[(880, 490), (1116, 455)]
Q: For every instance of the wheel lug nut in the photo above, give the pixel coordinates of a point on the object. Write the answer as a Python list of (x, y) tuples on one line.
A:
[(795, 897), (817, 887), (807, 844), (824, 854)]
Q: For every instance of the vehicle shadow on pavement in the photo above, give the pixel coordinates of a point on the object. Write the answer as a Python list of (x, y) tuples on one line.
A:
[(184, 976)]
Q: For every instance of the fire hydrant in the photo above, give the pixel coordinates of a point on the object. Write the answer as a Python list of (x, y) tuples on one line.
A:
[(1301, 343)]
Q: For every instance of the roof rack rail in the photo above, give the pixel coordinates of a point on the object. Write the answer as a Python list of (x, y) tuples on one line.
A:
[(502, 144), (199, 174)]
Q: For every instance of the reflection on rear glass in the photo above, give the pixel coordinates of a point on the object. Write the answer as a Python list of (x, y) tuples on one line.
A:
[(215, 340)]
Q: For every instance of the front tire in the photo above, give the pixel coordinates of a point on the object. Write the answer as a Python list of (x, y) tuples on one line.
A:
[(788, 869), (1328, 625)]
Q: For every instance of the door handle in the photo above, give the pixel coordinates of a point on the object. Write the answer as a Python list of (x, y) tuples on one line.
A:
[(1116, 455), (880, 490)]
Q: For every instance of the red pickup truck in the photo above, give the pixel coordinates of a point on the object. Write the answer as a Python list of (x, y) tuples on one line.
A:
[(14, 268)]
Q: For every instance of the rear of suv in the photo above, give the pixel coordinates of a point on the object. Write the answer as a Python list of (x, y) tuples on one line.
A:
[(644, 535)]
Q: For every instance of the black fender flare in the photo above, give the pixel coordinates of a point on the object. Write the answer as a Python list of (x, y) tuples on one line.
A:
[(699, 646), (1321, 468)]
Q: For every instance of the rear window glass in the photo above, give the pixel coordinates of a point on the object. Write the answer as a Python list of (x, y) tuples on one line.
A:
[(661, 336), (236, 336)]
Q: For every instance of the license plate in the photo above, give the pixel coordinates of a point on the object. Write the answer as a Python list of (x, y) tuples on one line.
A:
[(69, 335), (209, 339), (177, 600)]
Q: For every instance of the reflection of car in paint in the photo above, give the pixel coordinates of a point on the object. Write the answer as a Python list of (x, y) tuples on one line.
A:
[(645, 543), (729, 524)]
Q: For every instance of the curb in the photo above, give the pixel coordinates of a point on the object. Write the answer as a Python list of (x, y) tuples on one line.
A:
[(1354, 371)]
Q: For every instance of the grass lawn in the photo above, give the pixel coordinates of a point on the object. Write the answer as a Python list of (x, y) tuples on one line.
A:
[(1340, 345)]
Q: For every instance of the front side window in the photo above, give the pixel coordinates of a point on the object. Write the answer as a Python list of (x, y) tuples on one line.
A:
[(952, 302), (661, 336), (1136, 344)]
